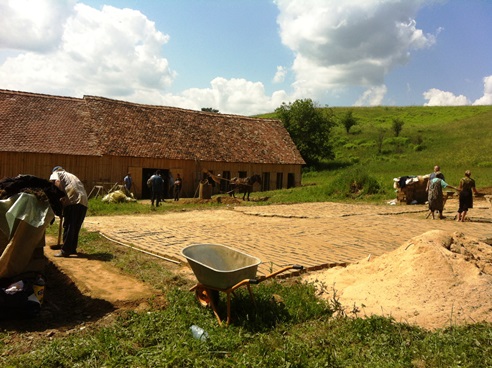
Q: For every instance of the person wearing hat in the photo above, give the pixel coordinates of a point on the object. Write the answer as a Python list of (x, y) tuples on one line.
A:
[(74, 204)]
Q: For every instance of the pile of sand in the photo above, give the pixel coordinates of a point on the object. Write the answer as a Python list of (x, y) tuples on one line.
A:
[(434, 280)]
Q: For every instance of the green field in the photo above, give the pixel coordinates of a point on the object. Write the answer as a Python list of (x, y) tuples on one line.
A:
[(456, 138)]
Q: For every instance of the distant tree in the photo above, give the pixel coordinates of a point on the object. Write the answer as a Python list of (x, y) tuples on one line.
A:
[(309, 126), (209, 109), (348, 121), (397, 126)]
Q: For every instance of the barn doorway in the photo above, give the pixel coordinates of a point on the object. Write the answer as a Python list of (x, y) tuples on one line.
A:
[(291, 180), (146, 174)]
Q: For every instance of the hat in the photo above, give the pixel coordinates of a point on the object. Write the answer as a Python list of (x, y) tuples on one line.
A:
[(56, 168)]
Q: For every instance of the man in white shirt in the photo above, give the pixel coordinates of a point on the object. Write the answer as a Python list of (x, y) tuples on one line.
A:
[(74, 204)]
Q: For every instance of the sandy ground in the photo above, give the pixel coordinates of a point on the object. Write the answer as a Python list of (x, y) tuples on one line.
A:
[(431, 273), (434, 280)]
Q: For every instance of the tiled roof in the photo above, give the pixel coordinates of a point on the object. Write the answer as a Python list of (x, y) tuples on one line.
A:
[(45, 124), (101, 126)]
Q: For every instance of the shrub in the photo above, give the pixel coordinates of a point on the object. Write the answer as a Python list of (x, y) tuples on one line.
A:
[(353, 183)]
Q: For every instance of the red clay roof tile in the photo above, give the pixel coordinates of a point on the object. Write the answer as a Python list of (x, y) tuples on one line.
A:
[(100, 126)]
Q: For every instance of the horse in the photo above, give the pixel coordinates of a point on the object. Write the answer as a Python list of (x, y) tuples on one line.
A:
[(243, 185)]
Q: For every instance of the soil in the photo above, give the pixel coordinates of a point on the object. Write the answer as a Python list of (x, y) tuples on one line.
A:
[(86, 293), (434, 280)]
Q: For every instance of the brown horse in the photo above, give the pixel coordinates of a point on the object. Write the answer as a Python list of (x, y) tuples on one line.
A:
[(243, 185)]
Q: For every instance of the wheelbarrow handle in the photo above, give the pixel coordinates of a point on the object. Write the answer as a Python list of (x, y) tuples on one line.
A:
[(263, 278)]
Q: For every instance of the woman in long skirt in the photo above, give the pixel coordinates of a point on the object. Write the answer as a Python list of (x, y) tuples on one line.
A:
[(435, 196), (467, 188)]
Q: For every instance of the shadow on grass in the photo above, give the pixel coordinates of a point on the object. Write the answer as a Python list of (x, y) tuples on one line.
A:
[(64, 307)]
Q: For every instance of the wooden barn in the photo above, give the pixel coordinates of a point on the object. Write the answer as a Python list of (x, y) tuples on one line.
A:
[(101, 140)]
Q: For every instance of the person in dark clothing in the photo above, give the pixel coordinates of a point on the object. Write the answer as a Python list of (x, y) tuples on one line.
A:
[(128, 183), (467, 188), (157, 188), (178, 182)]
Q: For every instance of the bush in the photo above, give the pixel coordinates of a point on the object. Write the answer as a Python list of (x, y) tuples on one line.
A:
[(354, 183)]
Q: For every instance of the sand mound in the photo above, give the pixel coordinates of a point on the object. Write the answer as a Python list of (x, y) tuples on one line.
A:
[(434, 280)]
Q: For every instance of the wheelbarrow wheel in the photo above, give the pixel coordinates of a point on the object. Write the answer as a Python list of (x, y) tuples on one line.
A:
[(207, 296)]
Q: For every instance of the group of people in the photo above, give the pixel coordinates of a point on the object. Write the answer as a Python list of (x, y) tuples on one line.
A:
[(435, 187), (156, 185), (75, 202)]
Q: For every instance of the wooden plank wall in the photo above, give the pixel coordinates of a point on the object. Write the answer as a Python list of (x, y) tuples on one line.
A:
[(112, 169)]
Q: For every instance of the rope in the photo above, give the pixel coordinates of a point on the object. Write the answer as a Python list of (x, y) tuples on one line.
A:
[(138, 249)]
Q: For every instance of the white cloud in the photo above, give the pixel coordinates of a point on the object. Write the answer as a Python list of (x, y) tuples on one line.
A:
[(486, 99), (110, 52), (280, 74), (64, 47), (351, 43), (437, 97), (373, 96), (33, 24), (68, 48), (232, 96)]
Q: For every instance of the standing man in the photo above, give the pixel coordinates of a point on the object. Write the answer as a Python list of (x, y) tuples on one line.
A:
[(437, 170), (177, 187), (128, 183), (74, 205), (157, 188)]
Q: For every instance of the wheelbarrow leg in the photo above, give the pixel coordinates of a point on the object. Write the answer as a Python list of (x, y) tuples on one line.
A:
[(228, 309), (206, 298), (251, 295), (214, 308)]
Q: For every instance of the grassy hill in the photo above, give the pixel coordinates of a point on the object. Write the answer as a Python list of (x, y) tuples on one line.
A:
[(457, 138)]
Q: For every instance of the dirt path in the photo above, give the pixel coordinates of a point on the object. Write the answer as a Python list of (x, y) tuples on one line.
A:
[(98, 280)]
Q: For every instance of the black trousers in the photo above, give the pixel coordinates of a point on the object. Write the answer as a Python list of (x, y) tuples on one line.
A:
[(157, 197), (73, 217)]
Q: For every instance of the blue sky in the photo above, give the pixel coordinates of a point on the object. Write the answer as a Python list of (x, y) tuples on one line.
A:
[(248, 56)]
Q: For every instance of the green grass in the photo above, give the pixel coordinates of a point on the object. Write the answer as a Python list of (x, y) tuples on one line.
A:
[(300, 331), (456, 138), (100, 208)]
